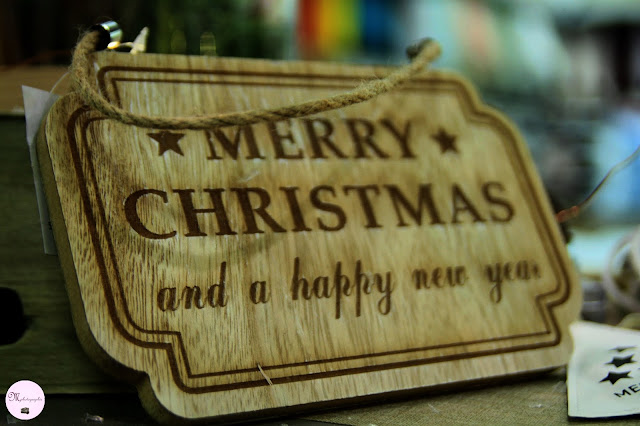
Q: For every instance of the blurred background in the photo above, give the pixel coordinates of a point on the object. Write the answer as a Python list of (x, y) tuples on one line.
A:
[(566, 72)]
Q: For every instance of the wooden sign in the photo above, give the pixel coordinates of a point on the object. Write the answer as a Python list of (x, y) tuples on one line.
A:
[(402, 243)]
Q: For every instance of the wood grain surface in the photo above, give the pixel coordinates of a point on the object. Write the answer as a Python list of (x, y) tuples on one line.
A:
[(398, 244)]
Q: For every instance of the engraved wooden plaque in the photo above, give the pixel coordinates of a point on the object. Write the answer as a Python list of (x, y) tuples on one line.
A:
[(398, 244)]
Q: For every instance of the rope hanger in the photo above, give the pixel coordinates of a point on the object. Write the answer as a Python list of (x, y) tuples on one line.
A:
[(99, 37)]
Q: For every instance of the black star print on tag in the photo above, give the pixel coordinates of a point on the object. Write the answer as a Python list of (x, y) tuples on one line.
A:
[(167, 141), (622, 348), (613, 377), (620, 361), (445, 140)]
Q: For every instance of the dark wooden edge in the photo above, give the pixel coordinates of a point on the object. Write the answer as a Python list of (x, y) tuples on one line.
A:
[(164, 416), (80, 322)]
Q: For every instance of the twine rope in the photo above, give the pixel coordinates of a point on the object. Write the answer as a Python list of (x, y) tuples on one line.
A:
[(626, 294), (422, 54), (573, 211)]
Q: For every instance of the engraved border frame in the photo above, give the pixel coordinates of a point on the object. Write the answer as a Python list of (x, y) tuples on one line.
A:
[(472, 109)]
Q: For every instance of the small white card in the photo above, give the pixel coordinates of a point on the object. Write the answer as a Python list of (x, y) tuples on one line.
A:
[(603, 377), (36, 105)]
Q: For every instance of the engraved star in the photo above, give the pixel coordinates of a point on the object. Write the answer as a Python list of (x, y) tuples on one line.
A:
[(446, 141), (613, 377), (619, 361), (167, 141), (622, 348)]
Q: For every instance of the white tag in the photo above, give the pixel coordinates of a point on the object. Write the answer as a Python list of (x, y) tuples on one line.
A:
[(603, 377), (36, 105)]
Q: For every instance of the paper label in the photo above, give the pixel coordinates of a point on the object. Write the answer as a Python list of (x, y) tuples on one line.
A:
[(36, 105), (603, 377)]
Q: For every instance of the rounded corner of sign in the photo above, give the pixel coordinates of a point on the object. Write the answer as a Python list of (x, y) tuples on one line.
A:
[(458, 79), (476, 102), (153, 405), (166, 407)]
